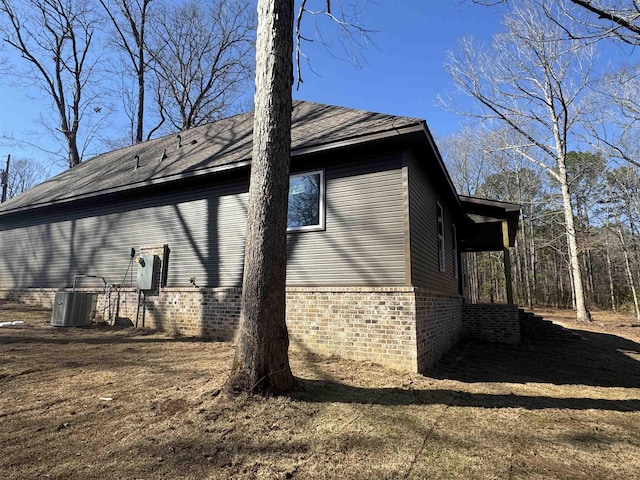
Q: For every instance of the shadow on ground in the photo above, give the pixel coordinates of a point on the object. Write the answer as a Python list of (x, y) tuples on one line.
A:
[(96, 334), (327, 391), (599, 359)]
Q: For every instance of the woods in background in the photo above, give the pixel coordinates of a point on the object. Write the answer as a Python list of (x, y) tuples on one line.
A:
[(555, 130), (606, 199)]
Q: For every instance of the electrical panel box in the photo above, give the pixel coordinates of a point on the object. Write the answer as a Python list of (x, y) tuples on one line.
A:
[(148, 272)]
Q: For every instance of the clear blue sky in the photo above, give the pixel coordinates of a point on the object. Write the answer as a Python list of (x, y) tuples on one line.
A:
[(402, 73)]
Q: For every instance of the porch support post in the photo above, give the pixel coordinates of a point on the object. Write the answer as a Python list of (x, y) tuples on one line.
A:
[(507, 262)]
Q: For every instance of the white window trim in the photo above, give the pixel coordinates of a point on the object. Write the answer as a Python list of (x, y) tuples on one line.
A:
[(321, 225), (454, 240), (441, 243)]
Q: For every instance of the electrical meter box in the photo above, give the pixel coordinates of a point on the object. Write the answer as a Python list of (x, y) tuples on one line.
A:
[(148, 272)]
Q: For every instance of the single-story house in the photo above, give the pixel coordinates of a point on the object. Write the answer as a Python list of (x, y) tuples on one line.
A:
[(376, 231)]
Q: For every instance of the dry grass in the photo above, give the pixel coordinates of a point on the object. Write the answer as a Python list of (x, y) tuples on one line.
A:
[(98, 402)]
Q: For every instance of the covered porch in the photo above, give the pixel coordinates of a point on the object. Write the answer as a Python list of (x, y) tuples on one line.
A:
[(491, 226)]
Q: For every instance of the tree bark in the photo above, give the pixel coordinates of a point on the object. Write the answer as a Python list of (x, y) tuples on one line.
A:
[(72, 146), (582, 314), (261, 363), (627, 267), (610, 275), (140, 73)]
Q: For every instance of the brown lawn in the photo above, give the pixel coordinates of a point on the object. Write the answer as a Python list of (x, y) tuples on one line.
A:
[(105, 403)]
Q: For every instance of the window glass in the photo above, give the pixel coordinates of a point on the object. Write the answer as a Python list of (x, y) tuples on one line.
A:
[(306, 201)]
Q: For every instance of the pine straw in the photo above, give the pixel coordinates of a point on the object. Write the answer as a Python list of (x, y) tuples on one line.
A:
[(99, 402)]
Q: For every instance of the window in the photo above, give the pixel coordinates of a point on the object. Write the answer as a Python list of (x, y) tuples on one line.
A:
[(454, 240), (306, 201), (440, 215)]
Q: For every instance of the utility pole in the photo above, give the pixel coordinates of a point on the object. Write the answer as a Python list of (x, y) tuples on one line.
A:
[(4, 179)]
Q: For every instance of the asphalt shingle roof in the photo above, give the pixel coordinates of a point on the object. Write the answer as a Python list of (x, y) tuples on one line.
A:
[(220, 144)]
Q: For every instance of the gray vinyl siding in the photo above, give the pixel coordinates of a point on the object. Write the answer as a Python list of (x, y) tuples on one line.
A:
[(97, 240), (423, 197), (363, 243)]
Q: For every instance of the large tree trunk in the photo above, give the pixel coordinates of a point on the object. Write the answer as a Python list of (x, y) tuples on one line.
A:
[(140, 73), (72, 145), (261, 363), (582, 314), (627, 267), (610, 275)]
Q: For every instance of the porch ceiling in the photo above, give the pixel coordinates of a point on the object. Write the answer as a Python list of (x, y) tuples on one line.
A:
[(482, 230)]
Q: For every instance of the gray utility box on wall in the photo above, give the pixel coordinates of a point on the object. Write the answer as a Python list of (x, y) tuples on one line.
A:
[(148, 272), (73, 309)]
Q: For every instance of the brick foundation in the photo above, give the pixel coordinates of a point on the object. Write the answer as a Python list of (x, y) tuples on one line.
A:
[(491, 322), (203, 312), (438, 326), (371, 324), (42, 297), (400, 327)]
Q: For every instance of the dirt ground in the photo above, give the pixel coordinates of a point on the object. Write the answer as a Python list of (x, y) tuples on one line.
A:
[(101, 402)]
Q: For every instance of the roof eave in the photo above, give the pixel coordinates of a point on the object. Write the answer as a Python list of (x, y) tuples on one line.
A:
[(132, 186), (295, 152), (355, 141), (441, 164), (495, 213)]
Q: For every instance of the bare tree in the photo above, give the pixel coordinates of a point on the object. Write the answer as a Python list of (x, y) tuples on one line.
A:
[(620, 213), (261, 362), (604, 19), (129, 20), (467, 159), (55, 38), (23, 174), (620, 234), (515, 181), (611, 18), (200, 54), (532, 81), (483, 163), (612, 126), (342, 16)]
